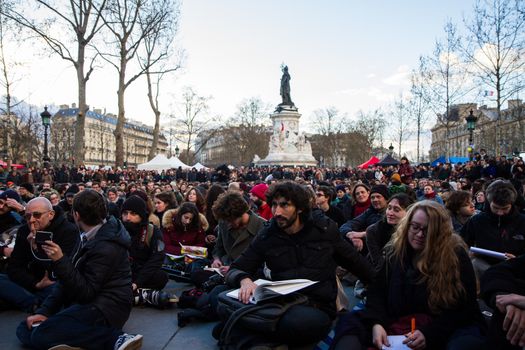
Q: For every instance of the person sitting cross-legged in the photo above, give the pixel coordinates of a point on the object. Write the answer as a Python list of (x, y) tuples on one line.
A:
[(92, 300)]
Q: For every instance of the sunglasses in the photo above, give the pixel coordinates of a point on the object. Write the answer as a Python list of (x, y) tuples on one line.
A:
[(37, 215)]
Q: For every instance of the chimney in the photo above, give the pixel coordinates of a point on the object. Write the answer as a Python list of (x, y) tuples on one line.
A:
[(64, 106), (73, 105)]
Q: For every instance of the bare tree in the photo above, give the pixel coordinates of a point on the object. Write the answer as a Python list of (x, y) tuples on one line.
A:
[(247, 131), (193, 121), (372, 125), (418, 109), (329, 124), (401, 120), (129, 23), (68, 30), (496, 47), (443, 78), (157, 59)]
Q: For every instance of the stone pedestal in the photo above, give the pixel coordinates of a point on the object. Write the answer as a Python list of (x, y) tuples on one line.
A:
[(288, 147)]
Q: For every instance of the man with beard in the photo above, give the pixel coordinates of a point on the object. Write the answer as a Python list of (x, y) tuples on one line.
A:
[(146, 254), (298, 243), (258, 197)]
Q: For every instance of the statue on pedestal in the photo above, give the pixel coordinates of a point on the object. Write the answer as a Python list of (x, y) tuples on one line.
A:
[(285, 89)]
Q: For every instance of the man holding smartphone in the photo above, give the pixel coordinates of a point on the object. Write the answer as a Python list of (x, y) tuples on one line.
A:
[(29, 276), (92, 299)]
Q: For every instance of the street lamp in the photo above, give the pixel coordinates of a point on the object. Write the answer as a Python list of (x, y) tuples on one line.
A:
[(46, 121), (391, 149), (471, 125), (177, 151)]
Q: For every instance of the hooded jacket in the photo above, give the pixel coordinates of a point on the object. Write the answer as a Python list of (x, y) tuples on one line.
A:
[(98, 274), (174, 237), (505, 234)]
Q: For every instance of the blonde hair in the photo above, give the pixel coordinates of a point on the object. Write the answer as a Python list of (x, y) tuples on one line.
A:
[(438, 262)]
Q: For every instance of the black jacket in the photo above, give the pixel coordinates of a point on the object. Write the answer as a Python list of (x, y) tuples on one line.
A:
[(312, 253), (360, 223), (377, 236), (146, 257), (505, 234), (24, 268), (98, 274), (397, 293)]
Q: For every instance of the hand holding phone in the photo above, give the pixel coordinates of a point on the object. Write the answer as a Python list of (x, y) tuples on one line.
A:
[(41, 237)]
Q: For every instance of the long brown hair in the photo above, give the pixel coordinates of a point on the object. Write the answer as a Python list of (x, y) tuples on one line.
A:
[(438, 262)]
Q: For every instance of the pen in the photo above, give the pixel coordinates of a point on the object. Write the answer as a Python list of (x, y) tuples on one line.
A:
[(413, 325)]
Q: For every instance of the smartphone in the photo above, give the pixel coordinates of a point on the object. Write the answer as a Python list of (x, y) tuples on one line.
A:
[(41, 237)]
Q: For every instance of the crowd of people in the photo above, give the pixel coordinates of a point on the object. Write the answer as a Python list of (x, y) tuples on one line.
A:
[(80, 247)]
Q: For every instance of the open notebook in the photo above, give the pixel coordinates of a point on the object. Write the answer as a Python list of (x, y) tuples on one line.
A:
[(271, 289)]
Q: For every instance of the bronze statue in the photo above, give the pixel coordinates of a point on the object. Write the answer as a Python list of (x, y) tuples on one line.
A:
[(285, 88)]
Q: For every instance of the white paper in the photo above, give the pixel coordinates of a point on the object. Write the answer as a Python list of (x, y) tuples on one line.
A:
[(280, 287), (396, 343), (487, 252)]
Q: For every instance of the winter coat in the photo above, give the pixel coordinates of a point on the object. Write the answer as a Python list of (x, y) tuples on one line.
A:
[(24, 268), (99, 274), (173, 237), (146, 255), (360, 223), (312, 253), (396, 292), (377, 236), (504, 234), (231, 243)]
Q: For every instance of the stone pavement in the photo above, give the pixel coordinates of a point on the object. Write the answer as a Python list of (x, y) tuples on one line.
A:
[(159, 327)]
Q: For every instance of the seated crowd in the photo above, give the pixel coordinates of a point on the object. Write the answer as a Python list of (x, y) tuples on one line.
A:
[(77, 257)]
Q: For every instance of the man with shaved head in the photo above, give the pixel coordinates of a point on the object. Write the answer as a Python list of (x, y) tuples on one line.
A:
[(29, 276)]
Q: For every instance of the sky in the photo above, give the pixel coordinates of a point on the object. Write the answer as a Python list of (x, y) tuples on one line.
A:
[(352, 55)]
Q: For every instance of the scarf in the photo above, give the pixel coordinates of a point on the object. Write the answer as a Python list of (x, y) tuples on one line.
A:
[(360, 208)]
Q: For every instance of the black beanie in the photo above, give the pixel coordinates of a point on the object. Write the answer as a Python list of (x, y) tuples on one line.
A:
[(381, 189), (28, 187), (136, 205)]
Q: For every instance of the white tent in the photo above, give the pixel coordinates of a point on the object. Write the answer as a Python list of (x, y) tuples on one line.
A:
[(199, 166), (176, 163), (160, 162)]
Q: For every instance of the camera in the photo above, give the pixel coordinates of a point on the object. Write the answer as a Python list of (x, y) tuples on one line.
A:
[(212, 282)]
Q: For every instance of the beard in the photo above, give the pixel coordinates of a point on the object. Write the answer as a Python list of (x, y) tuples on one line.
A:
[(285, 223), (132, 228)]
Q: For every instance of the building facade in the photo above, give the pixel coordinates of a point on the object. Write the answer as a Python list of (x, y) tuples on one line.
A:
[(451, 137), (99, 143)]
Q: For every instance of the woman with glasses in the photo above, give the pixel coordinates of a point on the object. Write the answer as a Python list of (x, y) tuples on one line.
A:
[(427, 276)]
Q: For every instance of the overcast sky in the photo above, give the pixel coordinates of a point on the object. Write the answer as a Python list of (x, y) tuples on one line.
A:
[(354, 55)]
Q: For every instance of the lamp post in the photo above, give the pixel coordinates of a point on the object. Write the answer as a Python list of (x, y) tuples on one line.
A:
[(46, 121), (177, 151), (471, 125), (5, 154), (391, 149)]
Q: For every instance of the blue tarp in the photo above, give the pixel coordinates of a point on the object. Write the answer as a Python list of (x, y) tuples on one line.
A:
[(451, 160)]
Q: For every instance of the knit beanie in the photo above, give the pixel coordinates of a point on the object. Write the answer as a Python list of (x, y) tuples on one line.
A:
[(395, 178), (10, 194), (136, 205), (28, 187), (381, 189), (72, 190), (260, 191), (340, 188)]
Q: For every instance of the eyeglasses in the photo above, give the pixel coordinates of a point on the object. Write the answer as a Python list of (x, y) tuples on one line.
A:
[(319, 194), (37, 215), (416, 228)]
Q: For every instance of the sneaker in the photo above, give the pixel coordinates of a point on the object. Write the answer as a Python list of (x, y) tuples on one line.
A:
[(154, 297), (128, 342)]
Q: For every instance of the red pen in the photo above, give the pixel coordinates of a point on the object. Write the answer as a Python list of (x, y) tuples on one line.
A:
[(413, 325)]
